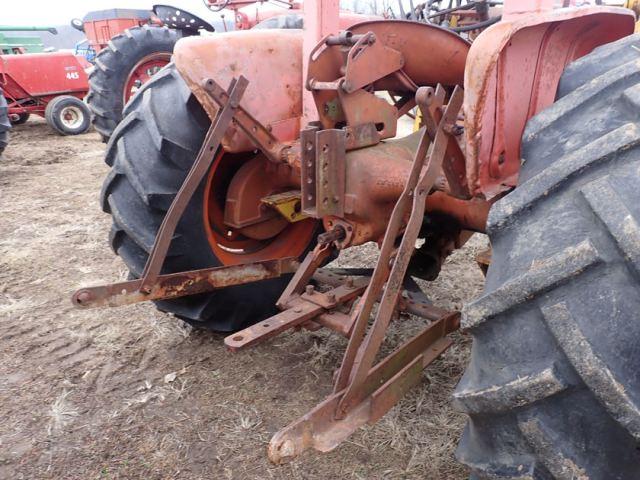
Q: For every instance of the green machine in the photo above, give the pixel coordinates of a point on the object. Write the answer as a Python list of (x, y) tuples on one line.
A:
[(14, 44)]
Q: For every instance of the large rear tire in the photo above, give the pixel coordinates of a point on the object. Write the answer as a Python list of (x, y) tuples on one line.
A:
[(553, 387), (111, 83), (151, 152)]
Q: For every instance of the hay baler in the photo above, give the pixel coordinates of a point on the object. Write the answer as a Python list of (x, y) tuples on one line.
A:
[(255, 158)]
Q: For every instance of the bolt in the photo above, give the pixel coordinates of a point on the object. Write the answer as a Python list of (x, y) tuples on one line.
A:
[(309, 289), (331, 297), (349, 282), (297, 309), (83, 297)]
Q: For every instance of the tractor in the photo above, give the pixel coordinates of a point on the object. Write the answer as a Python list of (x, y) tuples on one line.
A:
[(256, 157), (129, 46)]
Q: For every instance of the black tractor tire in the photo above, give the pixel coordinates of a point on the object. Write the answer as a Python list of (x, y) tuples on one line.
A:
[(553, 387), (150, 153), (112, 68), (57, 110), (22, 118), (5, 124)]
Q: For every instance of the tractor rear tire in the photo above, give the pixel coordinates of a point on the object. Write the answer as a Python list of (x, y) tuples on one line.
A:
[(553, 387), (115, 63), (150, 153), (68, 115), (5, 124)]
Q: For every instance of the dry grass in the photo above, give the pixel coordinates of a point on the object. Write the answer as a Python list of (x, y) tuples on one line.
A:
[(134, 393)]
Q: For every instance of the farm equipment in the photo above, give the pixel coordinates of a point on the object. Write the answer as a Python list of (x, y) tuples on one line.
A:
[(141, 44), (127, 48), (10, 44), (51, 85), (237, 174)]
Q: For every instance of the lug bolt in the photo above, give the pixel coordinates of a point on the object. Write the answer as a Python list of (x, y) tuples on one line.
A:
[(309, 289)]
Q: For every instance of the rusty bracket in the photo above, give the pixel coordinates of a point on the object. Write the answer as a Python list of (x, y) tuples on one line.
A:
[(300, 309), (454, 164), (390, 272), (483, 259), (384, 385), (197, 172), (176, 285), (369, 60), (260, 135), (323, 171)]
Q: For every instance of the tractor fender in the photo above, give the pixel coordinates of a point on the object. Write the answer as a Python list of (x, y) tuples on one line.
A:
[(272, 62), (512, 73)]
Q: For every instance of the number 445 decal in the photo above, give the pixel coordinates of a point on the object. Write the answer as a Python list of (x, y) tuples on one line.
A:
[(73, 75)]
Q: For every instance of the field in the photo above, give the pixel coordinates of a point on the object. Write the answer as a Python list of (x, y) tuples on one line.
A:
[(134, 393)]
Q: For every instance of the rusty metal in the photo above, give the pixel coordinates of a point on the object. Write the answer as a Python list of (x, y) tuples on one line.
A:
[(308, 169), (383, 386), (411, 300), (330, 172), (483, 259), (369, 60), (383, 57), (453, 166), (286, 204), (192, 181), (177, 285), (300, 309), (309, 265), (334, 235), (260, 135), (323, 172), (360, 354), (513, 72), (363, 135)]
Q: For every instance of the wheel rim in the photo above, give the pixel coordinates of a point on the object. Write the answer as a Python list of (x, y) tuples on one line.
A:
[(71, 117), (228, 244), (143, 71)]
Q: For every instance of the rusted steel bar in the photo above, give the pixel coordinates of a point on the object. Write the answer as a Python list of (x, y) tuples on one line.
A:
[(384, 386), (301, 309), (483, 259), (411, 301), (261, 136), (194, 178), (366, 354), (182, 284), (311, 262), (381, 272)]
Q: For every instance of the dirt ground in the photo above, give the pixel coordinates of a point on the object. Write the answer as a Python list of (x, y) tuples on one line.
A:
[(133, 393)]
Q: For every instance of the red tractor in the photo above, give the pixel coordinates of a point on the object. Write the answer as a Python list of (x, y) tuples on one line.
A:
[(258, 156), (133, 45)]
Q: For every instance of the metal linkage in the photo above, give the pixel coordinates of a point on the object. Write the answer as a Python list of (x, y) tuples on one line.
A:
[(176, 285), (364, 392), (152, 285), (198, 171), (260, 135), (390, 272)]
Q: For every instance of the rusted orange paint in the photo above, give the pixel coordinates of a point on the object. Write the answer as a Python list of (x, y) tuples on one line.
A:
[(512, 73)]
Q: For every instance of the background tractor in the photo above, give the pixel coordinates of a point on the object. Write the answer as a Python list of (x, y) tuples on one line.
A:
[(129, 46), (256, 157)]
